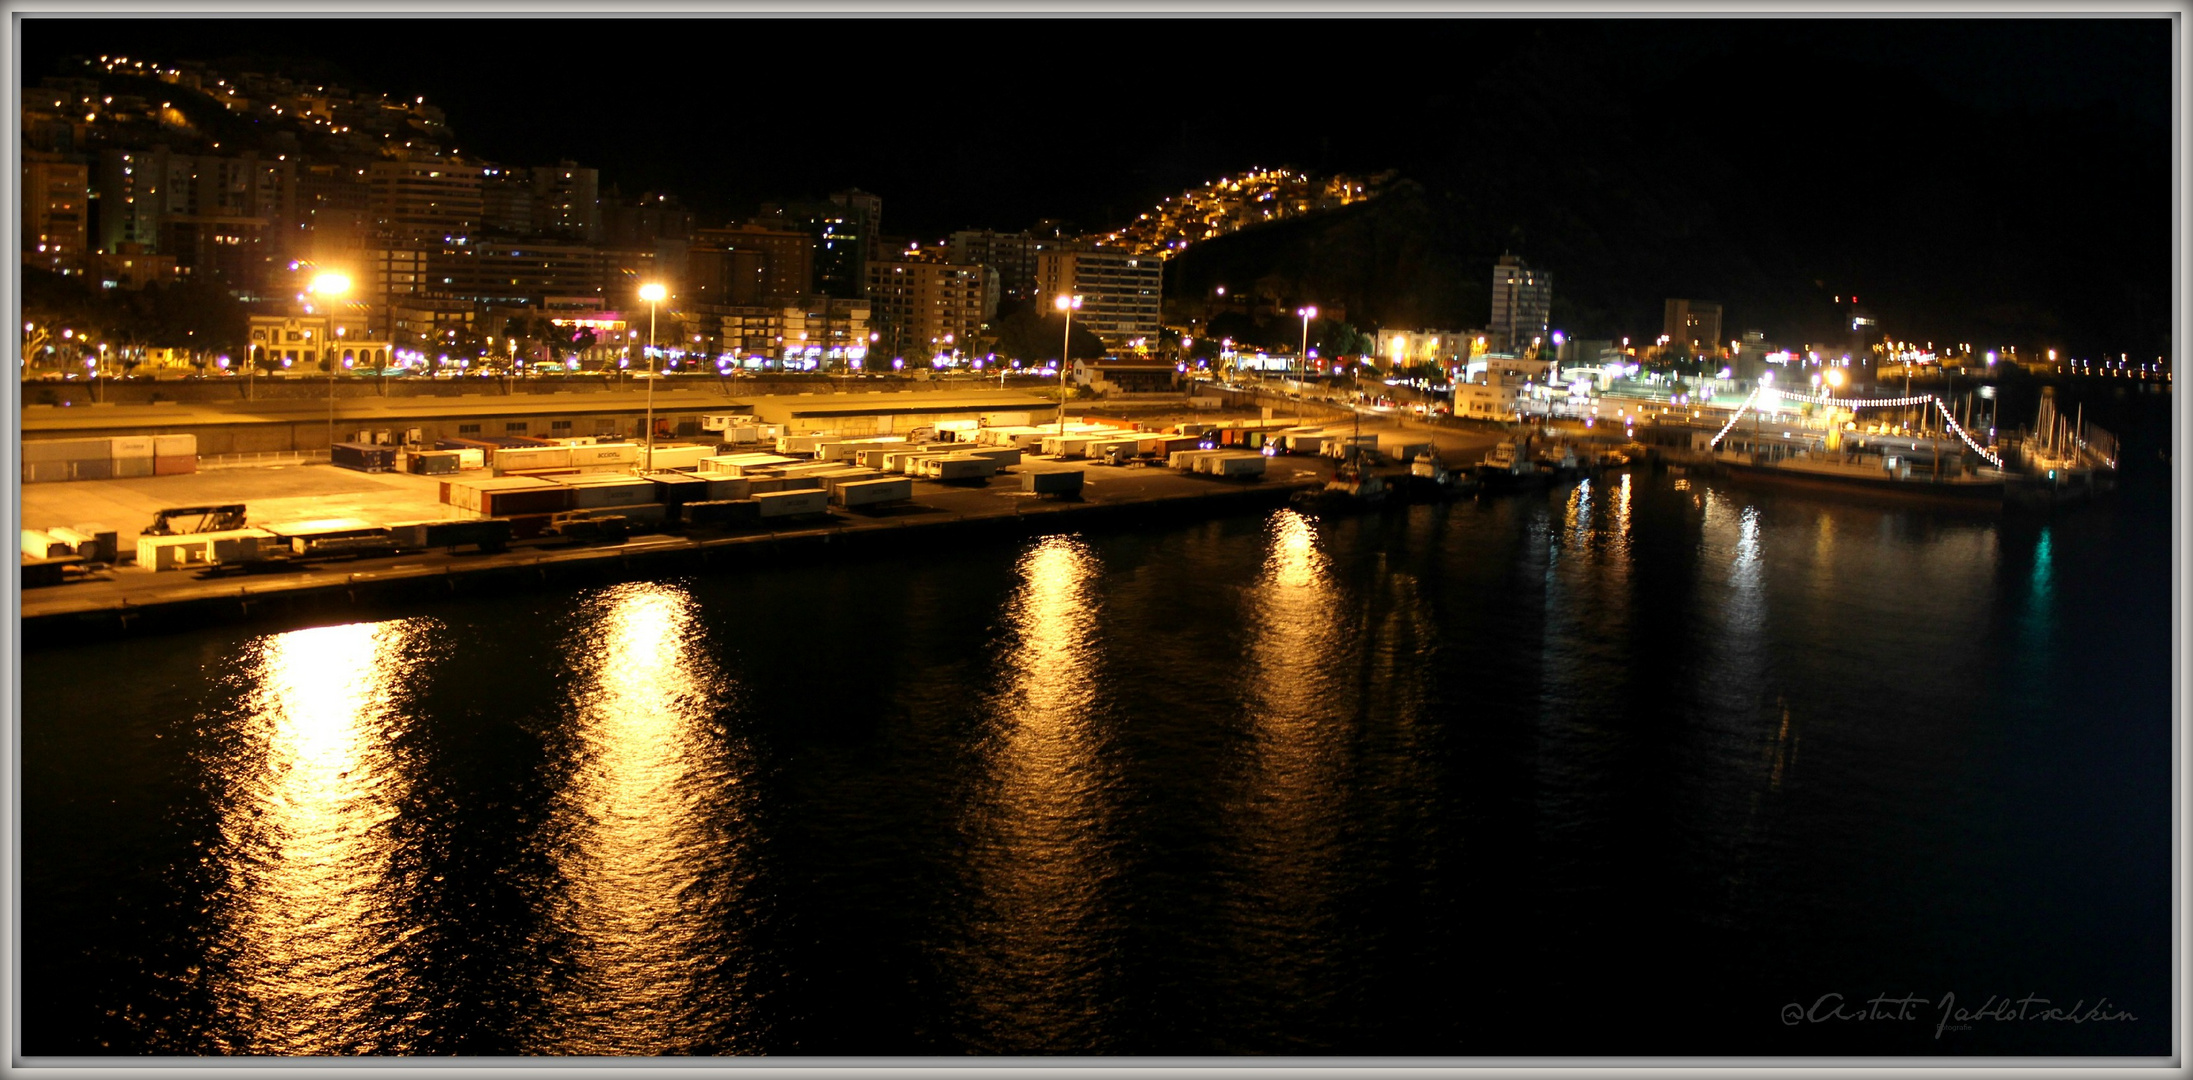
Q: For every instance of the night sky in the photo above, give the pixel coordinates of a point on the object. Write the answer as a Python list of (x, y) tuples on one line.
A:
[(968, 123)]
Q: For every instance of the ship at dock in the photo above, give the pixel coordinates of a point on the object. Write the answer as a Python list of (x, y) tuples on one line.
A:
[(1934, 458)]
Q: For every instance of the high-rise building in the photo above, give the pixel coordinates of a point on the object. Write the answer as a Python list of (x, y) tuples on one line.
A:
[(1011, 258), (506, 201), (651, 219), (1522, 299), (1119, 290), (746, 264), (334, 209), (1693, 324), (566, 201), (867, 203), (56, 211), (924, 309), (424, 202), (840, 235)]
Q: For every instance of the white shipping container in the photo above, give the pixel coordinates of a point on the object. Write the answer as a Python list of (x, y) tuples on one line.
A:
[(872, 492), (1187, 460), (799, 444), (1005, 456), (45, 450), (791, 503), (962, 468), (728, 487), (678, 457), (39, 545), (1239, 465), (131, 446), (512, 458), (175, 446), (595, 494), (1058, 482), (612, 454)]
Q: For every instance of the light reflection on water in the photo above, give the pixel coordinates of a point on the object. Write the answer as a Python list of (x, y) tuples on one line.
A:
[(1285, 837), (650, 839), (1035, 966), (307, 958)]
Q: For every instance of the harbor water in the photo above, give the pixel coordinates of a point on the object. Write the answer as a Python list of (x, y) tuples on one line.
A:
[(1633, 766)]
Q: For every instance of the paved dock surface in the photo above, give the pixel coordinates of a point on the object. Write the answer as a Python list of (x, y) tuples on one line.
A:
[(324, 492)]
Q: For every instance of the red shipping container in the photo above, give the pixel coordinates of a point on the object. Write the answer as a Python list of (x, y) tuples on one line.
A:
[(529, 500)]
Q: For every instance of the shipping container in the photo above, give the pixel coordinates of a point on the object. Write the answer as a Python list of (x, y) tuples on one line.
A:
[(674, 457), (104, 538), (514, 458), (1005, 456), (726, 512), (728, 487), (588, 493), (672, 488), (1061, 482), (191, 550), (433, 462), (174, 464), (67, 449), (91, 469), (612, 454), (1185, 460), (130, 446), (1240, 466), (873, 492), (174, 446), (363, 457), (44, 546), (511, 502), (782, 504), (961, 469), (759, 484)]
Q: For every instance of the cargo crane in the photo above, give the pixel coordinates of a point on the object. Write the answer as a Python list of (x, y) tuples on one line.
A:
[(222, 518)]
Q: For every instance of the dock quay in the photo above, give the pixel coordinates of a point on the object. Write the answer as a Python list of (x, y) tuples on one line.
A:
[(131, 601)]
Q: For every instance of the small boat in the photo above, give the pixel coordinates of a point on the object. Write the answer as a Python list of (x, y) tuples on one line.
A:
[(1506, 468), (1351, 488), (1428, 479)]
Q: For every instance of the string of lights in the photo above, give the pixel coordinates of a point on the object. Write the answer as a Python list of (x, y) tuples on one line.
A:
[(1733, 418)]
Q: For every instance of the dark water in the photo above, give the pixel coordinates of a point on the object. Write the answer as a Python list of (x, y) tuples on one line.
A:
[(1627, 768)]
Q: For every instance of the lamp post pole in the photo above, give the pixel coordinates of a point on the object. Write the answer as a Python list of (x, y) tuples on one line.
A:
[(653, 294), (1303, 357), (1066, 304)]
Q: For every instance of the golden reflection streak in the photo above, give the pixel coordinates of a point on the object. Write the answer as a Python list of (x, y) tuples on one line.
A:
[(1288, 829), (309, 910), (642, 828), (1038, 936)]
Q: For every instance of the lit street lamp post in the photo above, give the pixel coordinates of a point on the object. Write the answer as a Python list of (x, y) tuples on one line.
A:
[(1303, 357), (1065, 304), (653, 294), (332, 285)]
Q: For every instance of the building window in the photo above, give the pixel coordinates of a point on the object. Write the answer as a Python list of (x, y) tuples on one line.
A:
[(559, 425), (468, 429), (515, 427)]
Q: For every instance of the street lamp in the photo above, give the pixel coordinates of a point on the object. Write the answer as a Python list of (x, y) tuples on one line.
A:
[(333, 285), (653, 293), (1067, 304)]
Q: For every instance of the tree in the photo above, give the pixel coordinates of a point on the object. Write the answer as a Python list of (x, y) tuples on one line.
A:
[(1033, 336)]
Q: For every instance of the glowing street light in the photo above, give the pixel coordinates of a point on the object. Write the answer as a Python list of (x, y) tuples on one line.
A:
[(1067, 305)]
